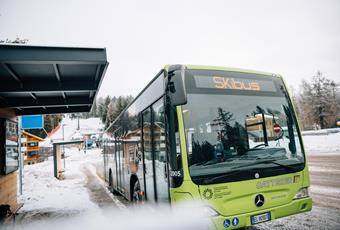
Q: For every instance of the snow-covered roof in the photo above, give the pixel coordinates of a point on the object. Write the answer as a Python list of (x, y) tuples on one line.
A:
[(69, 130)]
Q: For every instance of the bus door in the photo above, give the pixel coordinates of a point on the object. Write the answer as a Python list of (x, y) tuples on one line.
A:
[(148, 156), (120, 160), (155, 159), (123, 166), (159, 148), (118, 165), (115, 180)]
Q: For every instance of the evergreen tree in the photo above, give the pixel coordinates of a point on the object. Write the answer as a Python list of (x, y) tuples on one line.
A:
[(93, 112), (115, 108), (103, 107)]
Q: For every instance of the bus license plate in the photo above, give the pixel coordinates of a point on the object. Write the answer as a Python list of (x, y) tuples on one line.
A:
[(260, 218)]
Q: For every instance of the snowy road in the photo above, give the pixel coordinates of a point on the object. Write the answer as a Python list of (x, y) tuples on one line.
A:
[(325, 180), (81, 192), (98, 191)]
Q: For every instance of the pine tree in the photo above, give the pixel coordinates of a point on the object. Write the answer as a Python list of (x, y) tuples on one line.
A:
[(93, 112), (103, 107), (116, 107)]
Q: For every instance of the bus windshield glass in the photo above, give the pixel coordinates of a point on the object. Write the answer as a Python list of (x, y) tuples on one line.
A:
[(239, 126)]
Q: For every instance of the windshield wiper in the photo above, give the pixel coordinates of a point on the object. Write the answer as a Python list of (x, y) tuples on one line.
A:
[(268, 161), (288, 167)]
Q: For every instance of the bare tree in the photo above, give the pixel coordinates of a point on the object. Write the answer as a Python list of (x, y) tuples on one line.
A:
[(318, 102)]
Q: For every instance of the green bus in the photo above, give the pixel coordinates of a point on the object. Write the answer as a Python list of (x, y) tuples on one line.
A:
[(223, 136)]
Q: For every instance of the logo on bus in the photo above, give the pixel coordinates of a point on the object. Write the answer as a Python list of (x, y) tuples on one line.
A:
[(259, 200), (208, 194), (231, 83)]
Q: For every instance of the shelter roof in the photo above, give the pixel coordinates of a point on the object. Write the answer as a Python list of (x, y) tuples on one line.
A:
[(46, 80)]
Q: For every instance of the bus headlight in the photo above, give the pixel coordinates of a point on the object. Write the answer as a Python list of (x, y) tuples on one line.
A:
[(209, 212), (302, 193)]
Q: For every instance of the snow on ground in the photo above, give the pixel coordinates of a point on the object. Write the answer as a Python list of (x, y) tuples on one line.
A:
[(43, 193), (82, 201), (325, 190), (325, 144)]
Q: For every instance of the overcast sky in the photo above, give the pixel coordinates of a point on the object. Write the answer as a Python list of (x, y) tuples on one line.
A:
[(293, 38)]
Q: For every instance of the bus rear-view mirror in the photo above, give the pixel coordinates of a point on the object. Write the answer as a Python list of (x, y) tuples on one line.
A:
[(176, 87)]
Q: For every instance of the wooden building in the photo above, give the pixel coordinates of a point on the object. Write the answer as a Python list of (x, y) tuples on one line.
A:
[(9, 156), (30, 147)]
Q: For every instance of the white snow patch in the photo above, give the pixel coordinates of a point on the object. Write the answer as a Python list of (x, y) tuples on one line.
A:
[(325, 190), (161, 217), (322, 144), (42, 191), (56, 201), (323, 169)]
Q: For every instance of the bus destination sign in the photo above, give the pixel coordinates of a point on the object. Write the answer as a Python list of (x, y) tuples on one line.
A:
[(232, 83)]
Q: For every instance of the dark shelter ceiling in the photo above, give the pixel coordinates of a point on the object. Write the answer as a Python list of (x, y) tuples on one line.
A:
[(45, 80)]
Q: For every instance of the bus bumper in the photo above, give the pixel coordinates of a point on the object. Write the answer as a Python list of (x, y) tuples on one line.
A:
[(244, 220)]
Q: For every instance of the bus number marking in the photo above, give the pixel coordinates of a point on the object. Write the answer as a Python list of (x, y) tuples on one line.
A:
[(175, 173)]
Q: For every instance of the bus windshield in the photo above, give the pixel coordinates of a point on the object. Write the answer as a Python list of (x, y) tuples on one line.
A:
[(239, 128)]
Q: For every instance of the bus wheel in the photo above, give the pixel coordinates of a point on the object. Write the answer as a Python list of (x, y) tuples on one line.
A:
[(136, 197)]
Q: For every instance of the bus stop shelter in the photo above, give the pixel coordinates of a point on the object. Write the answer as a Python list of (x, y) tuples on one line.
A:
[(45, 80), (42, 80), (58, 168)]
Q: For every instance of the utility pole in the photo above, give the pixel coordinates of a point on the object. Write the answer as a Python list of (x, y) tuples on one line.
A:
[(63, 125), (78, 123), (21, 159)]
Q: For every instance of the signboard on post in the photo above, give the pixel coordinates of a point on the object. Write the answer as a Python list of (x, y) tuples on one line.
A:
[(32, 122)]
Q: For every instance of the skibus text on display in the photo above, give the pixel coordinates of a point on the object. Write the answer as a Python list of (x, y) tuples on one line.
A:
[(227, 137)]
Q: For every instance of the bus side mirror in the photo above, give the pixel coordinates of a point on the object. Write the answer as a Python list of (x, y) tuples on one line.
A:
[(175, 85)]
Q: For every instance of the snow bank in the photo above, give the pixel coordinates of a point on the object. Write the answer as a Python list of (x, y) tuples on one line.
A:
[(44, 193), (320, 132), (66, 204), (325, 144), (146, 217)]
